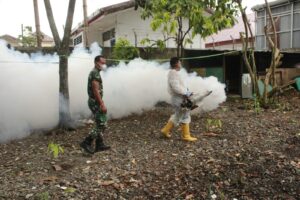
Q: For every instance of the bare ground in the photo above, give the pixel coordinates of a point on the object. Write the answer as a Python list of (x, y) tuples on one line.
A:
[(249, 156)]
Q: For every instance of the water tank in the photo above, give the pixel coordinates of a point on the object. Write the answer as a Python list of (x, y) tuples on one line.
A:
[(246, 86)]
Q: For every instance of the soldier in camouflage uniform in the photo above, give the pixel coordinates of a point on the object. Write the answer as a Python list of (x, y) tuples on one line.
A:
[(98, 108)]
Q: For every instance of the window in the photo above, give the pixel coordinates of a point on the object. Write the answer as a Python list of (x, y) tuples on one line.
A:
[(284, 40), (77, 40), (281, 9), (261, 13), (287, 25), (108, 35), (260, 42), (297, 21), (260, 26), (296, 39), (296, 5)]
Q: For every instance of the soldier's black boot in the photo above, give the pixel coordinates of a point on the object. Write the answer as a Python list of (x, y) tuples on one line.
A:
[(100, 146), (87, 145)]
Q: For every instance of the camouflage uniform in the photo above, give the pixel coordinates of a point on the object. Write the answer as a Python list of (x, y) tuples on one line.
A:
[(99, 116)]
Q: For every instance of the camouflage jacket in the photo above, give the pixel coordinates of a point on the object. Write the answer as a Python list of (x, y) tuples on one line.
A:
[(94, 75)]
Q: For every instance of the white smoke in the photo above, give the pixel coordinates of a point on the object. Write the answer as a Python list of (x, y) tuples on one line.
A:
[(29, 89)]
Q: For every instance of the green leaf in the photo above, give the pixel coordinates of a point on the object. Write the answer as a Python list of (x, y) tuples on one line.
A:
[(123, 50), (55, 149), (169, 15)]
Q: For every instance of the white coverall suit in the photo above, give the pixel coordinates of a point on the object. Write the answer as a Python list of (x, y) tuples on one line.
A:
[(178, 90)]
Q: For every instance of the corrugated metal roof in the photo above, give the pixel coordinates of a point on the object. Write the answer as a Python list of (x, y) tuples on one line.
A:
[(233, 32)]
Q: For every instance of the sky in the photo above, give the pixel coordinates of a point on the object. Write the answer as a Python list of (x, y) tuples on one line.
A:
[(14, 13)]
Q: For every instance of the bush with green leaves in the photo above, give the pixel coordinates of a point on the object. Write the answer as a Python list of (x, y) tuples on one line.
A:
[(123, 50)]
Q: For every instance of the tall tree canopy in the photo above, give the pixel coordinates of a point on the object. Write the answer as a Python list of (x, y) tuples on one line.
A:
[(204, 17)]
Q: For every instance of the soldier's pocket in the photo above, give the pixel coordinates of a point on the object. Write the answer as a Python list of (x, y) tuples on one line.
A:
[(101, 117)]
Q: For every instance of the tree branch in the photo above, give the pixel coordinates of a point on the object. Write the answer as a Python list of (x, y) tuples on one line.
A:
[(52, 23), (69, 22)]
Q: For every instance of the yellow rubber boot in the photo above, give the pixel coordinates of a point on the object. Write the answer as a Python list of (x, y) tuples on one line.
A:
[(186, 135), (166, 131)]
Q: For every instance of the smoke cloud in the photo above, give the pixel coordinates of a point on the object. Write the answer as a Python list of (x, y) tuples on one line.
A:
[(30, 99)]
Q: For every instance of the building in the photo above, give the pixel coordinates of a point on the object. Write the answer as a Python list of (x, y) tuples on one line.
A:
[(286, 14), (229, 39), (11, 41), (121, 20), (47, 41)]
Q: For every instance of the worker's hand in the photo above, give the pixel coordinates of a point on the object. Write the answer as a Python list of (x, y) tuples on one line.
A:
[(103, 108)]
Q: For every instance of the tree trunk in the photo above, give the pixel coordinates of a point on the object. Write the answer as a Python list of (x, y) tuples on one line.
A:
[(248, 53), (64, 102), (276, 57), (37, 24), (62, 47), (179, 37)]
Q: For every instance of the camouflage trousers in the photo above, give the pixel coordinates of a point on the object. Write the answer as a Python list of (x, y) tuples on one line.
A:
[(99, 117)]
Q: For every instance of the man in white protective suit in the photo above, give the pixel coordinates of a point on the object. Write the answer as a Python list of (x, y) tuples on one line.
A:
[(179, 92)]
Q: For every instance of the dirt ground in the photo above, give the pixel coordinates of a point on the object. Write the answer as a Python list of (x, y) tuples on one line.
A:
[(249, 156)]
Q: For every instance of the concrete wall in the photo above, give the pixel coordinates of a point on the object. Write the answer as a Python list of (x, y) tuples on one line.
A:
[(237, 46), (128, 24)]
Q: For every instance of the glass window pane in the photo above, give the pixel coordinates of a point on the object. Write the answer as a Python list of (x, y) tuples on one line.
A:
[(296, 21), (280, 9), (284, 40), (285, 23), (261, 13), (296, 5), (260, 43), (260, 26), (296, 39), (277, 24)]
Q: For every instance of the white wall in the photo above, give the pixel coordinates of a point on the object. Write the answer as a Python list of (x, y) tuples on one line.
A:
[(127, 24), (130, 21)]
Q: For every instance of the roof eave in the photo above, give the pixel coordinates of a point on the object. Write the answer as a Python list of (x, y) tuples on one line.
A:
[(271, 4)]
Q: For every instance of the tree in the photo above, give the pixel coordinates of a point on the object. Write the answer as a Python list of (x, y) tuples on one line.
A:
[(37, 24), (249, 57), (62, 47), (123, 50), (86, 24), (27, 38), (204, 18)]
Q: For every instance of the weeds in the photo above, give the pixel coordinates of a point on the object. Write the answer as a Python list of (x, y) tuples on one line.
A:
[(55, 149), (213, 125), (43, 196)]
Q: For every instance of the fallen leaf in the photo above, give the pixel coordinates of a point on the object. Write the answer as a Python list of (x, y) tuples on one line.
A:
[(57, 167), (28, 196), (48, 179), (210, 134), (190, 196), (106, 183)]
